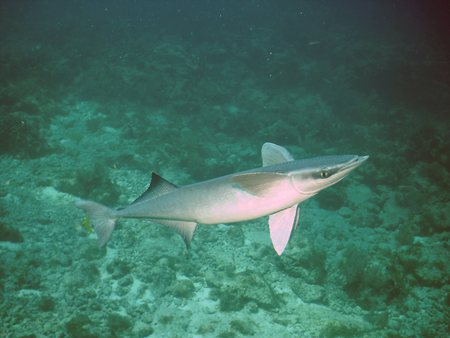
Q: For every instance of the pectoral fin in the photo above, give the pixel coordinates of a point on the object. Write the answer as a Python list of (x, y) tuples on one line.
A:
[(281, 225)]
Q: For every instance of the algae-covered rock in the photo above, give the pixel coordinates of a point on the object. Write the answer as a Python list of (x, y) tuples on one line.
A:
[(85, 273), (126, 281), (372, 279), (160, 276), (78, 326), (246, 287), (183, 288), (118, 268), (144, 331), (2, 282), (258, 290), (378, 318), (92, 183), (118, 323), (28, 280), (433, 269), (310, 293), (433, 218), (90, 252), (244, 327), (306, 262), (337, 328), (227, 334)]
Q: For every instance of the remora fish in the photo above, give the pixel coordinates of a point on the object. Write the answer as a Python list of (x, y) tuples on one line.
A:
[(275, 189)]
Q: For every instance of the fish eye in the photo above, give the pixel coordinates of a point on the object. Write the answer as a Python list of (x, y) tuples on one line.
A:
[(324, 174)]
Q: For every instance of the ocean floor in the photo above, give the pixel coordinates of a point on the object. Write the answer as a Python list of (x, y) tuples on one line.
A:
[(85, 120)]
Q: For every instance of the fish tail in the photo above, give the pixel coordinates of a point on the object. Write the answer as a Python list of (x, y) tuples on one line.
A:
[(103, 219)]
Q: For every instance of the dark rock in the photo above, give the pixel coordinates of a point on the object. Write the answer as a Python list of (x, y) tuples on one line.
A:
[(330, 200), (145, 331), (76, 327), (378, 318), (92, 183), (243, 327), (340, 329), (21, 135), (10, 234), (118, 323), (46, 303)]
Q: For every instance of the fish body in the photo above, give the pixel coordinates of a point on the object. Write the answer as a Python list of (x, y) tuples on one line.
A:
[(274, 190)]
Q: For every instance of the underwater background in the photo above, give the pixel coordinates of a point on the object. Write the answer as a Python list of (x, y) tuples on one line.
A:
[(95, 95)]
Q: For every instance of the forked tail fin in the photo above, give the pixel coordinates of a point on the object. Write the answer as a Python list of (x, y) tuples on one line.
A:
[(103, 219)]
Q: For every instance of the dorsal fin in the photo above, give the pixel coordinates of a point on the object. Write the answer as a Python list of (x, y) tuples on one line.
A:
[(274, 154), (158, 186)]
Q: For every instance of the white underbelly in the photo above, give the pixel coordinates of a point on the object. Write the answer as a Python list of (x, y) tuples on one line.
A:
[(236, 205)]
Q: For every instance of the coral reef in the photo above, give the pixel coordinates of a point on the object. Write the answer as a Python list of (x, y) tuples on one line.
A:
[(93, 98)]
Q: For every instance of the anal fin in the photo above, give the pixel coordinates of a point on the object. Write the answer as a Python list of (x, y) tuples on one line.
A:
[(281, 226), (184, 228)]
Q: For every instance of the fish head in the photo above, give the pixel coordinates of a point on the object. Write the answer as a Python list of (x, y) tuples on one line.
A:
[(316, 174)]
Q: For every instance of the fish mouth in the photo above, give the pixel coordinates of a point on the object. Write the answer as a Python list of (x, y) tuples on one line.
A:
[(341, 171), (354, 163), (345, 169)]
